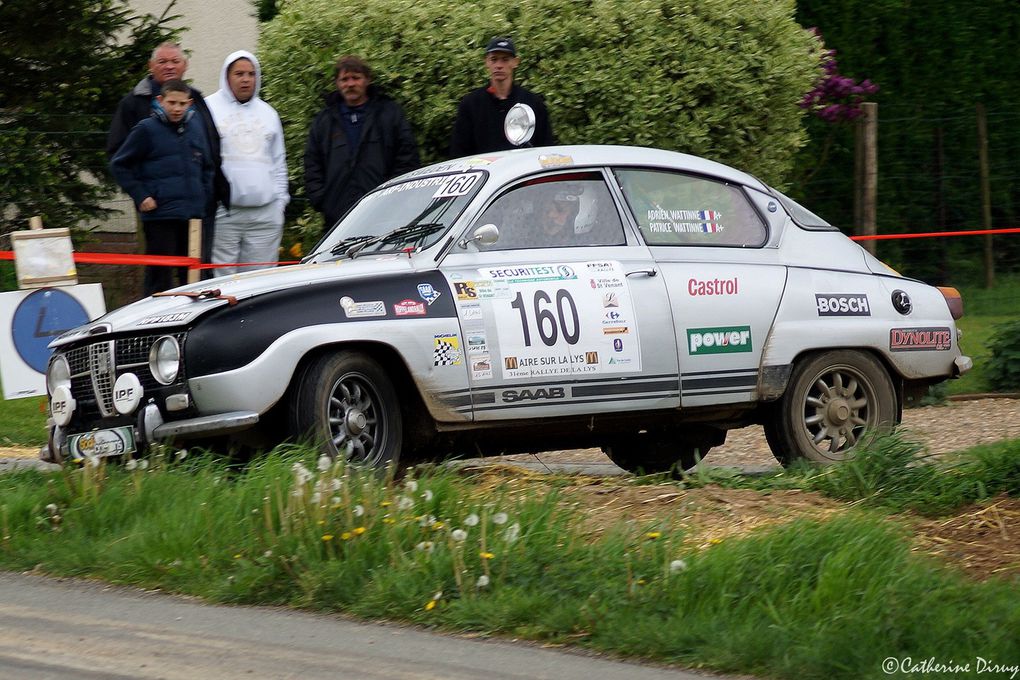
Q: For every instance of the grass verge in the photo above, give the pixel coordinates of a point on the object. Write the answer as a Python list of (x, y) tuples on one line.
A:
[(810, 599)]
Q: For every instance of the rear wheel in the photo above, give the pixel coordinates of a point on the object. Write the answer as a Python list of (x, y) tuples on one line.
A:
[(345, 402), (833, 398)]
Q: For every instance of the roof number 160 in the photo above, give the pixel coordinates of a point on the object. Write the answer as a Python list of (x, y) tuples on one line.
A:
[(546, 321)]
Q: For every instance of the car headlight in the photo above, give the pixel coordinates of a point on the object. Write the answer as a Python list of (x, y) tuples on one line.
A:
[(58, 373), (165, 359)]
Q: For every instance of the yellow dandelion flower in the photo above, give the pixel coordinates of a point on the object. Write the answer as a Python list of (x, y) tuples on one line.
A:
[(321, 522), (358, 531), (430, 605), (641, 582), (237, 556), (388, 520), (385, 504), (652, 535), (486, 555), (436, 526), (346, 536), (715, 541), (327, 537)]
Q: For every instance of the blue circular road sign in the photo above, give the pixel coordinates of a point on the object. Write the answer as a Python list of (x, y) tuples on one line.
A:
[(42, 316)]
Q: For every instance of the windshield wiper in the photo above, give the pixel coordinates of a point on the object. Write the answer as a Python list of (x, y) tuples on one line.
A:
[(409, 233), (347, 243)]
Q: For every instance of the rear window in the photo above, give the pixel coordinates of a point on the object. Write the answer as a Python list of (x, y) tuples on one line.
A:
[(674, 209)]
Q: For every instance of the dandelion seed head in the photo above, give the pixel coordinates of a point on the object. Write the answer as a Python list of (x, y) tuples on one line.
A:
[(358, 511), (425, 546), (335, 501), (51, 508), (458, 535), (268, 553), (143, 464), (483, 581), (500, 518), (404, 503), (131, 464), (513, 532), (427, 495), (316, 497), (335, 484), (324, 463), (471, 520), (677, 565), (411, 485), (437, 596), (181, 454)]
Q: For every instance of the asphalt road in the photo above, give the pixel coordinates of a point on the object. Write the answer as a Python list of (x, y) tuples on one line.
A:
[(60, 628)]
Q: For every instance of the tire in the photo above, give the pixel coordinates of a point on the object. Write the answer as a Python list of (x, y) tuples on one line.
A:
[(346, 404), (648, 453), (831, 400)]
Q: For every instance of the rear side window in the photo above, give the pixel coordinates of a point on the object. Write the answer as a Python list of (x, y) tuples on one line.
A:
[(674, 209)]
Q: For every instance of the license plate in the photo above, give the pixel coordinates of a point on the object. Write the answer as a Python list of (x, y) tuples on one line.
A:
[(116, 441)]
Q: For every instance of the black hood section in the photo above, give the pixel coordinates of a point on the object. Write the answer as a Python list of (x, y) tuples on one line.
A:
[(231, 337)]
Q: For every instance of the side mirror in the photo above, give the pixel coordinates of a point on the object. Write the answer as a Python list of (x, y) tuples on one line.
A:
[(519, 124), (487, 234)]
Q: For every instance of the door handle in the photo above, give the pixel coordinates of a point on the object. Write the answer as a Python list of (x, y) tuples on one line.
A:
[(646, 272)]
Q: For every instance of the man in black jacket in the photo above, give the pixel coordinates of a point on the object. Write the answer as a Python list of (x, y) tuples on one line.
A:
[(357, 142), (168, 62), (480, 116)]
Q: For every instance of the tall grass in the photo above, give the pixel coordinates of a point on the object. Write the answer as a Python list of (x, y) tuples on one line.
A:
[(809, 599)]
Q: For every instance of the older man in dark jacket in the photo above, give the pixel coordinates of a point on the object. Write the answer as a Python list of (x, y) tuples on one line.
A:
[(357, 142)]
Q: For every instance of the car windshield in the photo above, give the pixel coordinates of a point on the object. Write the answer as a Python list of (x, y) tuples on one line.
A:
[(412, 214)]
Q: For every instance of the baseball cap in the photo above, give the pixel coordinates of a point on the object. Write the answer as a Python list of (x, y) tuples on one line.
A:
[(501, 44)]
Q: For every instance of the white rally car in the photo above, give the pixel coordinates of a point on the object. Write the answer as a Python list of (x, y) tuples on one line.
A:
[(639, 300)]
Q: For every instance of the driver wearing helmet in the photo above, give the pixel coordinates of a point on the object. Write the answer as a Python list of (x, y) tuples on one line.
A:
[(556, 218)]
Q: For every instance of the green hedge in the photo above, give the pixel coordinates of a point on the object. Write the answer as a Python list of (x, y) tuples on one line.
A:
[(716, 78)]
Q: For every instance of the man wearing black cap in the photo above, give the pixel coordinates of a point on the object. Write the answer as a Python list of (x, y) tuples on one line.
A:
[(479, 124)]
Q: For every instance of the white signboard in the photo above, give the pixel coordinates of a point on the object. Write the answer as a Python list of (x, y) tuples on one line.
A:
[(555, 319), (29, 321)]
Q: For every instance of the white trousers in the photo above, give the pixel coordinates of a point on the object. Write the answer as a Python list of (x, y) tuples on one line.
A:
[(247, 235)]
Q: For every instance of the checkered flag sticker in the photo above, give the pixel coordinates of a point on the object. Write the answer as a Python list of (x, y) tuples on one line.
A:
[(446, 351)]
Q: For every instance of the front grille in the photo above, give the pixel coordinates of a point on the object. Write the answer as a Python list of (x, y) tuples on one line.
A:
[(101, 368), (95, 367)]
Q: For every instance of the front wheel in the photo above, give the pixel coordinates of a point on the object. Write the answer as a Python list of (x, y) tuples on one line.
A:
[(832, 399), (347, 404)]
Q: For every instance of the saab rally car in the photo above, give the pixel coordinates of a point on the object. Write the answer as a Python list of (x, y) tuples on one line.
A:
[(638, 300)]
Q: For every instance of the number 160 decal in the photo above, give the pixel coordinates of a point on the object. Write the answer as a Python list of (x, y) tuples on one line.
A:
[(548, 324)]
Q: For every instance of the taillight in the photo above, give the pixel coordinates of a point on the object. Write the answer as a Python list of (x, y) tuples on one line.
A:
[(953, 299)]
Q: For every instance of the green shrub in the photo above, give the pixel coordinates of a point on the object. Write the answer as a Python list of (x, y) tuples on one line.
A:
[(1004, 364), (719, 79)]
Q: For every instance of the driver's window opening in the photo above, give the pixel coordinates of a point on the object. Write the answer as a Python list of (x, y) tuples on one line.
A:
[(555, 211)]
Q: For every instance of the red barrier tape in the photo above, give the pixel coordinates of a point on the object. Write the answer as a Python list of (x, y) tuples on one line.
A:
[(154, 260), (192, 263), (933, 234)]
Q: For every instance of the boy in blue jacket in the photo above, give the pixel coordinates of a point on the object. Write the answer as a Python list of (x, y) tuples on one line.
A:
[(166, 166)]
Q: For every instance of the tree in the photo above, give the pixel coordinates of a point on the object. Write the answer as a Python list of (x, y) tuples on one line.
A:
[(719, 78), (64, 64)]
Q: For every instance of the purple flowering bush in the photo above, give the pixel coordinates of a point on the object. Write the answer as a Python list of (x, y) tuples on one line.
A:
[(836, 98)]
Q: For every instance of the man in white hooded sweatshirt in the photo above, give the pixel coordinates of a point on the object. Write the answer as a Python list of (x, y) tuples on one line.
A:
[(254, 161)]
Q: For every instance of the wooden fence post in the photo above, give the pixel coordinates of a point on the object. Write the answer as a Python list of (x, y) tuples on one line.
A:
[(194, 247), (986, 194), (866, 174)]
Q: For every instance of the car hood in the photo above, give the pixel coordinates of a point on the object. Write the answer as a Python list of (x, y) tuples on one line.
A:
[(181, 306)]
